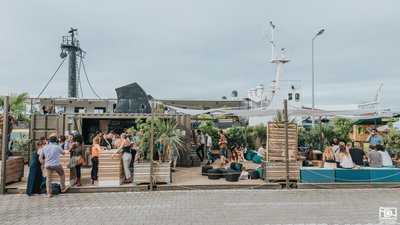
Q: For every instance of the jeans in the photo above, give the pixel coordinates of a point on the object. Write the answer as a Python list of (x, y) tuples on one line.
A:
[(78, 171), (126, 161), (95, 168), (49, 171), (200, 152), (209, 155)]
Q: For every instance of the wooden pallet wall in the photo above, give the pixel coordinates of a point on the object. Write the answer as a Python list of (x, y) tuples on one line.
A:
[(276, 160)]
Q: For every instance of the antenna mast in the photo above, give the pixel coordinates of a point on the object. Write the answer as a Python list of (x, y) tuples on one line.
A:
[(70, 47), (278, 60)]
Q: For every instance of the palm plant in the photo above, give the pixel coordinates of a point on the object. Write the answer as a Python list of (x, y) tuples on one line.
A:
[(170, 136), (17, 106), (165, 131)]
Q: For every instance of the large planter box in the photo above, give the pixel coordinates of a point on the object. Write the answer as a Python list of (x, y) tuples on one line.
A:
[(385, 174), (352, 175), (161, 173), (14, 169), (317, 175)]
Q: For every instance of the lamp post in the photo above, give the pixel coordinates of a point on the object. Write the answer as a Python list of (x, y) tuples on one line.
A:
[(312, 70)]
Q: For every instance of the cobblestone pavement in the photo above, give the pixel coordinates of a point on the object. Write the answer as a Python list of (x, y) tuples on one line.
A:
[(239, 207)]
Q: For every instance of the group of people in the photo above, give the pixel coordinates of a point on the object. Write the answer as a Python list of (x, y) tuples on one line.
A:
[(204, 143), (46, 161), (127, 145), (342, 155), (46, 158)]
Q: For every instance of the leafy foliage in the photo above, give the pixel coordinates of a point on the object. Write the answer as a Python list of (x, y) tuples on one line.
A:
[(318, 136), (236, 136), (165, 131), (342, 128), (208, 127), (17, 106), (392, 140)]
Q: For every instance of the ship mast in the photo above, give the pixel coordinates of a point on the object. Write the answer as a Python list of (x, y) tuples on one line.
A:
[(70, 46)]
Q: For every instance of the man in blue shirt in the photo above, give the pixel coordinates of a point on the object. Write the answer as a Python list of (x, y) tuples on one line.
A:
[(50, 156), (375, 139)]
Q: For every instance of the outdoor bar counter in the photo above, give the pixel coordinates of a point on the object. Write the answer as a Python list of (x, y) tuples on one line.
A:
[(110, 168), (362, 174)]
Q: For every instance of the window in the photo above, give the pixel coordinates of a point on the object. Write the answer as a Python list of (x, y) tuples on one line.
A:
[(290, 96), (297, 97), (79, 110), (99, 109), (60, 109)]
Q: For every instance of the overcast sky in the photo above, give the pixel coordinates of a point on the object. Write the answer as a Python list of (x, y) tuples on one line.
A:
[(204, 48)]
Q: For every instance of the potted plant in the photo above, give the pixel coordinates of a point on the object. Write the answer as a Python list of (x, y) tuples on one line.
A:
[(170, 138)]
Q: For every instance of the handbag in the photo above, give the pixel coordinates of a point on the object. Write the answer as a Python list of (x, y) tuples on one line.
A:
[(81, 161)]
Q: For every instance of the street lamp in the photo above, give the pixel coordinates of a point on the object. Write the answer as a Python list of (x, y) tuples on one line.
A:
[(320, 32)]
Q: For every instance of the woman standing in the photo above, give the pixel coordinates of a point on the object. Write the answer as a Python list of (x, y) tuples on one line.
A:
[(77, 160), (223, 145), (35, 177), (95, 152), (125, 148)]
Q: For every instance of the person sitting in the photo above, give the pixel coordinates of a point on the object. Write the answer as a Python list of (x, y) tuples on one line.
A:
[(374, 157), (345, 160), (357, 154), (328, 157), (336, 151), (262, 151), (397, 159), (386, 159)]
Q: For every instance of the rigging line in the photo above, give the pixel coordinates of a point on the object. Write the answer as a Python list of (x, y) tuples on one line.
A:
[(87, 79), (52, 77), (79, 77)]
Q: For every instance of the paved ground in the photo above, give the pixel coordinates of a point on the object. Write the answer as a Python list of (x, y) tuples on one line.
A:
[(239, 207)]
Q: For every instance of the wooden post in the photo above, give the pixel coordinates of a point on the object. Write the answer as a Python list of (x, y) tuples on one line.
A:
[(286, 142), (151, 146), (4, 145)]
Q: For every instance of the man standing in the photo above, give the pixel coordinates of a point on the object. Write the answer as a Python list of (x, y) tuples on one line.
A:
[(50, 155), (200, 145), (375, 139), (209, 148)]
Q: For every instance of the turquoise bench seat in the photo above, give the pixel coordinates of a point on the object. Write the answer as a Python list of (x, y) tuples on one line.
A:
[(359, 175), (317, 175)]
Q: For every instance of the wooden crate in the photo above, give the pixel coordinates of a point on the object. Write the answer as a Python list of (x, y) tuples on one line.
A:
[(276, 142), (276, 171), (162, 173), (110, 168), (14, 169)]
